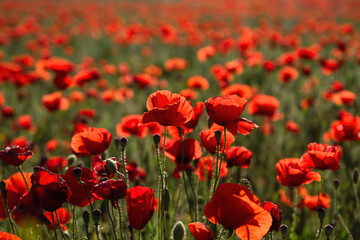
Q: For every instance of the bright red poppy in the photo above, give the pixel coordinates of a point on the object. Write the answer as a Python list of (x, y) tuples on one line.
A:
[(226, 110), (321, 156), (129, 125), (346, 129), (243, 90), (8, 236), (236, 208), (200, 231), (208, 140), (141, 205), (198, 110), (238, 156), (167, 109), (263, 105), (292, 127), (318, 201), (290, 174), (91, 141), (15, 155), (276, 214)]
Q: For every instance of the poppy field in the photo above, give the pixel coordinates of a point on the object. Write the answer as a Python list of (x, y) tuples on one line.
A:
[(179, 119)]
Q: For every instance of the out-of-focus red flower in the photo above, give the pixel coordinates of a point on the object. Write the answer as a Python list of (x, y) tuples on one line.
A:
[(189, 94), (86, 76), (321, 156), (198, 82), (307, 53), (235, 66), (236, 208), (329, 66), (346, 129), (135, 172), (64, 218), (290, 174), (49, 189), (7, 111), (91, 141), (61, 67), (288, 74), (205, 168), (292, 127), (52, 144), (8, 236), (167, 109), (238, 156), (78, 197), (263, 105), (130, 125), (21, 141), (175, 64), (208, 140), (15, 155), (56, 164), (55, 101), (205, 53), (243, 90), (276, 214), (317, 201), (141, 205), (112, 190), (182, 153), (200, 231), (269, 66), (226, 110), (343, 97), (25, 121)]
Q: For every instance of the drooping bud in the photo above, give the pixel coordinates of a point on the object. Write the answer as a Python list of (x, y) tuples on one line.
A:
[(328, 230), (336, 183), (178, 231), (283, 229), (86, 217), (218, 136), (96, 215), (111, 165), (71, 159), (156, 139), (321, 213), (123, 142), (77, 172)]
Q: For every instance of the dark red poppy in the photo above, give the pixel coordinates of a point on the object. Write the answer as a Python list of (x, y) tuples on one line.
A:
[(91, 141), (64, 218), (130, 125), (78, 196), (238, 156), (15, 155), (8, 236), (135, 172), (56, 164), (174, 150), (205, 168), (167, 109), (321, 156), (226, 110), (346, 129), (112, 190), (276, 214), (145, 80), (200, 231), (141, 205), (99, 167), (7, 112), (236, 208), (49, 189), (290, 174), (208, 141), (263, 105)]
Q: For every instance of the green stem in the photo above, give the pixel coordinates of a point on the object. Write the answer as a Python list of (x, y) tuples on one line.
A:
[(87, 194), (97, 231), (139, 234), (319, 230), (123, 156), (58, 220), (295, 213), (53, 223), (339, 217), (160, 188), (111, 219), (120, 220), (216, 167), (22, 174), (14, 230)]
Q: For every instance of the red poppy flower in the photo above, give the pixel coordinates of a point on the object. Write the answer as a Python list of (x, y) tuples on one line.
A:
[(205, 53), (78, 196), (56, 164), (8, 236), (346, 129), (238, 156), (198, 82), (174, 151), (263, 105), (292, 127), (236, 208), (205, 168), (141, 205), (7, 112), (49, 189), (110, 190), (25, 121), (130, 126), (175, 64), (52, 144), (287, 74), (167, 109), (145, 80), (64, 218), (91, 141), (344, 97), (15, 155), (189, 94), (99, 167), (198, 110), (200, 231), (54, 101), (290, 174), (321, 156), (317, 201), (208, 140), (269, 66), (86, 76), (276, 214), (243, 90), (135, 172), (226, 110)]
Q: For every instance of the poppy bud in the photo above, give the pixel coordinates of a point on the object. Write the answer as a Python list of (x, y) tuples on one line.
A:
[(86, 217), (218, 136), (71, 159), (156, 139), (3, 189), (166, 198), (356, 176), (123, 142), (328, 230), (321, 213), (96, 215), (178, 231), (117, 142), (336, 183), (111, 165), (283, 229), (77, 172)]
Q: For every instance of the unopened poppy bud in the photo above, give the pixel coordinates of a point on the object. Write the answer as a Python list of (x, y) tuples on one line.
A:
[(283, 229), (111, 165), (96, 215), (336, 183), (356, 176), (71, 159), (3, 189), (86, 217), (156, 139), (117, 142), (321, 213), (123, 142), (178, 232), (77, 172), (218, 136), (328, 230), (166, 198)]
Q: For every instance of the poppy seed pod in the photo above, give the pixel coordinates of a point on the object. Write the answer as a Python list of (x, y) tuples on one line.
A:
[(77, 172), (283, 229), (178, 231), (156, 139), (123, 143), (86, 217), (328, 230)]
